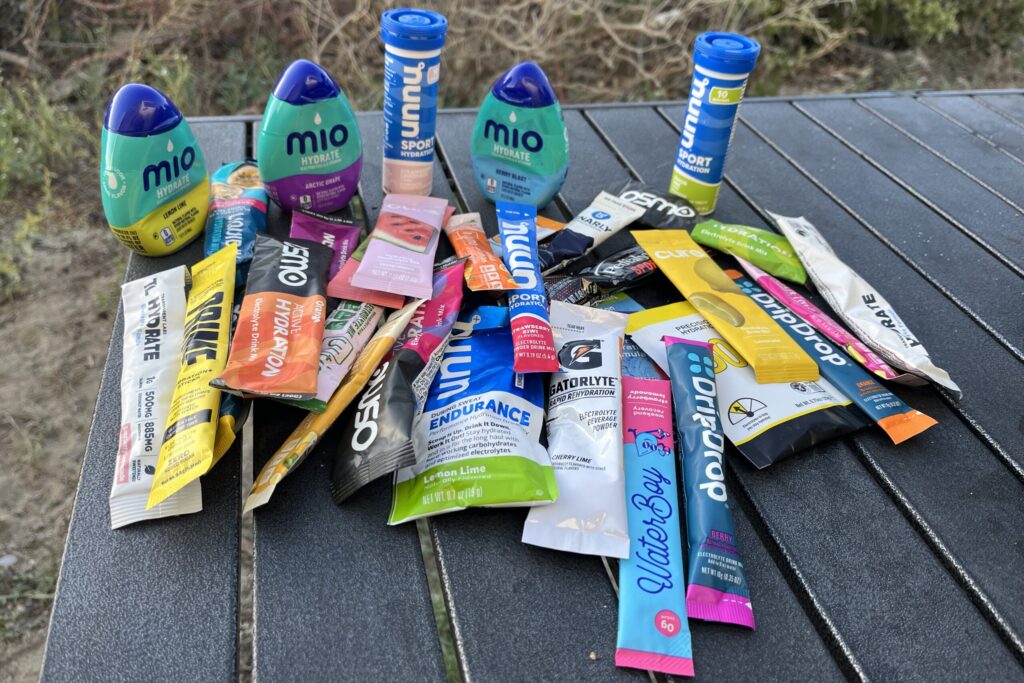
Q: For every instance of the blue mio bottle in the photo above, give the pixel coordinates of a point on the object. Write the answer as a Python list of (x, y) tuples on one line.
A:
[(520, 149), (153, 178)]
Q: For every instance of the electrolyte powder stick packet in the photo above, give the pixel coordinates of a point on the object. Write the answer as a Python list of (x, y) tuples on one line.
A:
[(763, 248), (238, 212), (584, 429), (485, 271), (653, 633), (716, 588), (154, 325), (340, 234), (860, 305), (187, 452), (605, 216), (528, 305), (341, 287)]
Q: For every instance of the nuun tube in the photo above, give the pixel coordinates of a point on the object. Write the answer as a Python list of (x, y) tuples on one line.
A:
[(309, 146), (155, 186), (721, 64), (413, 39)]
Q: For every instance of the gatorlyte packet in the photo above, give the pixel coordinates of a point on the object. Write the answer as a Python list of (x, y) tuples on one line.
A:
[(340, 234), (238, 211), (584, 427), (653, 633), (308, 433), (763, 248), (898, 420), (860, 305), (275, 351), (605, 216), (477, 441), (377, 437), (716, 588), (758, 339), (346, 332), (154, 326), (528, 305), (571, 289), (187, 451), (485, 271), (766, 422), (341, 287)]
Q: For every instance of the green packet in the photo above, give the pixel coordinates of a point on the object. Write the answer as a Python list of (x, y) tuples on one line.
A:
[(765, 249)]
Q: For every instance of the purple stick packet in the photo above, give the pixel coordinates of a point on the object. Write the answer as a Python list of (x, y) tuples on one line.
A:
[(340, 234)]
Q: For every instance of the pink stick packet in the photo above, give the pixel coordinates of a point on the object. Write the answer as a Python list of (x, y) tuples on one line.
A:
[(340, 234)]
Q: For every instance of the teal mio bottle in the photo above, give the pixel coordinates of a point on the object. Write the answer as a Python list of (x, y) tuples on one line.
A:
[(520, 149)]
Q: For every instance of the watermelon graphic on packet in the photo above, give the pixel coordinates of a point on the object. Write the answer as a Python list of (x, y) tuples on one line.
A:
[(404, 231)]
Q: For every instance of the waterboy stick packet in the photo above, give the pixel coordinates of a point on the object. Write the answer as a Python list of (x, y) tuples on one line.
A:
[(484, 270), (763, 248), (275, 352), (154, 326), (762, 343), (340, 234), (584, 427), (187, 451), (238, 212), (605, 216)]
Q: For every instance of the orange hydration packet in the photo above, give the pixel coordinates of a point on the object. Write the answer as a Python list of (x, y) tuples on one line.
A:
[(773, 355), (484, 270)]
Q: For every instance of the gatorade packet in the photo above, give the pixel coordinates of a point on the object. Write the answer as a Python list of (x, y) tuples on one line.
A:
[(653, 632), (528, 305), (584, 427), (400, 255), (307, 434), (860, 305), (763, 248), (275, 352), (605, 216), (716, 588), (340, 234), (154, 325), (346, 332), (484, 270), (821, 321), (773, 356), (622, 269), (570, 289), (341, 287), (187, 452), (238, 211), (377, 436), (766, 422), (477, 441), (899, 421), (546, 227)]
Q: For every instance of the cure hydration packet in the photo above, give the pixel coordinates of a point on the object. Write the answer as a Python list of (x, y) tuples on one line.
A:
[(307, 434), (340, 234), (528, 305), (653, 633), (898, 420), (584, 427), (154, 326), (187, 452), (485, 271), (400, 254), (763, 248), (716, 588), (758, 339), (377, 437), (605, 216), (275, 352), (766, 422), (860, 305), (477, 441), (238, 211)]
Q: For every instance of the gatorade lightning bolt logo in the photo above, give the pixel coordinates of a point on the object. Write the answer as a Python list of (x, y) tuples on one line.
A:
[(582, 354)]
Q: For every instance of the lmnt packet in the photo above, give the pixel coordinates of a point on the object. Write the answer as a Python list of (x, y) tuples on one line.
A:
[(340, 234), (238, 212), (307, 434), (605, 216), (187, 452), (275, 352), (762, 343), (763, 248), (860, 305), (717, 585), (477, 441), (154, 325), (485, 271), (584, 429)]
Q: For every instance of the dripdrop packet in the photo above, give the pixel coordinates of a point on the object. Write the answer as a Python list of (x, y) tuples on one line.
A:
[(605, 216), (485, 271), (340, 234), (238, 211), (763, 248)]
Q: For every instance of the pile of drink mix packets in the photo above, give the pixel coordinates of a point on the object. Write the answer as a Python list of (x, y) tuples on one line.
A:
[(519, 372)]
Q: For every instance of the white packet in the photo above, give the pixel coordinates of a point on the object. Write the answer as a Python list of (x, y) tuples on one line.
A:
[(154, 328), (584, 426), (605, 216), (859, 305)]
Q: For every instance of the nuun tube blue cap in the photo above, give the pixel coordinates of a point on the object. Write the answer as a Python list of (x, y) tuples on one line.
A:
[(413, 29), (728, 53), (305, 82), (524, 85), (139, 110)]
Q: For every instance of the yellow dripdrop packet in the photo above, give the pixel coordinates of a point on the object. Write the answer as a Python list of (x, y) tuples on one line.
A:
[(772, 353), (187, 451)]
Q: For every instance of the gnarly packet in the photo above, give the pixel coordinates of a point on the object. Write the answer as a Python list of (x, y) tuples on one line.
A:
[(606, 215), (765, 249), (485, 271), (238, 212), (340, 234)]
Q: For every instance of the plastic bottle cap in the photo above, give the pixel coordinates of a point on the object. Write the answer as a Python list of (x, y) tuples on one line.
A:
[(413, 29), (305, 82), (726, 52), (524, 85), (139, 110)]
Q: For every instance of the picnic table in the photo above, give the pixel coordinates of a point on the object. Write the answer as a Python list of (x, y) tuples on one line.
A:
[(864, 560)]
